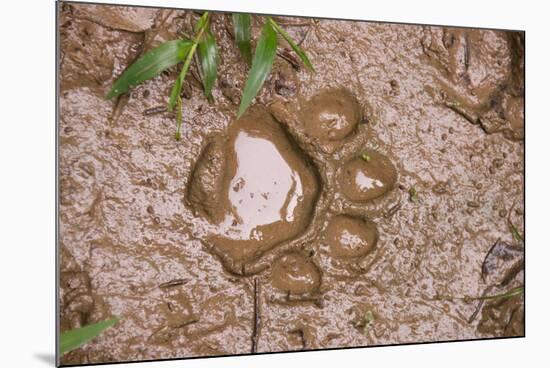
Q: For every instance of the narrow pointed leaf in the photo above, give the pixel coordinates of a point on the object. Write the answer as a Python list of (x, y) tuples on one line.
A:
[(150, 65), (261, 66), (241, 26), (202, 23), (72, 339), (179, 117), (515, 232), (297, 49), (208, 56), (176, 90), (513, 292)]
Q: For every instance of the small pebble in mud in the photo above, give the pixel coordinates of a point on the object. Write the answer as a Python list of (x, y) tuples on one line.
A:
[(502, 213), (331, 115), (362, 180), (350, 237), (295, 274)]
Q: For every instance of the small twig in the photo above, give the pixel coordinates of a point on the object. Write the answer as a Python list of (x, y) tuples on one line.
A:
[(467, 54), (286, 55), (305, 34), (476, 312), (257, 317), (154, 110), (172, 283), (392, 210), (290, 23)]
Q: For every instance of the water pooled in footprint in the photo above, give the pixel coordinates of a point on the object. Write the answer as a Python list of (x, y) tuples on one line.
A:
[(331, 116), (368, 177), (256, 187), (349, 237), (295, 274)]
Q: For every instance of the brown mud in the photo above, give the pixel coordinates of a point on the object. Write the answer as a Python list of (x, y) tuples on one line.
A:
[(364, 204)]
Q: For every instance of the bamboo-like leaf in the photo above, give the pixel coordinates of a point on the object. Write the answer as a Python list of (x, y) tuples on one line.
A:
[(511, 293), (261, 66), (150, 65), (297, 49), (209, 61), (202, 23), (241, 26), (176, 89), (72, 339), (515, 232)]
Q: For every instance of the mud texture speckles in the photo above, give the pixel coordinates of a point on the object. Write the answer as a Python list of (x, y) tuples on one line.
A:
[(258, 188), (367, 177)]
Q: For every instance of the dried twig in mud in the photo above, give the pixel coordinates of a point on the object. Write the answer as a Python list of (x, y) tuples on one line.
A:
[(306, 33), (172, 283), (476, 312), (467, 54), (154, 110), (292, 60), (257, 317), (392, 210), (456, 107)]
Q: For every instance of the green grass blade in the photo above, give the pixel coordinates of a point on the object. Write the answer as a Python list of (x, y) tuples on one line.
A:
[(202, 23), (241, 26), (150, 65), (72, 339), (513, 292), (208, 56), (176, 90), (179, 117), (515, 232), (261, 66), (297, 49)]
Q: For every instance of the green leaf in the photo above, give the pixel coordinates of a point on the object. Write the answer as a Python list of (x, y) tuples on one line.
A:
[(179, 117), (150, 65), (176, 90), (241, 26), (72, 339), (202, 23), (261, 66), (209, 61), (297, 49), (511, 293), (515, 232)]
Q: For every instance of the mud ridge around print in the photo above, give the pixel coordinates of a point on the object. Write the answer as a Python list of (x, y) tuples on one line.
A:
[(376, 201)]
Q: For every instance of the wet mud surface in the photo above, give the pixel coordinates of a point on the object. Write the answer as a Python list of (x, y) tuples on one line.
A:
[(365, 204)]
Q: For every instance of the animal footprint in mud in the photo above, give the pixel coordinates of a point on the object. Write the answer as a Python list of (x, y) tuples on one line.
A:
[(368, 177), (331, 115), (349, 237), (350, 242), (294, 273), (296, 278), (255, 186)]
